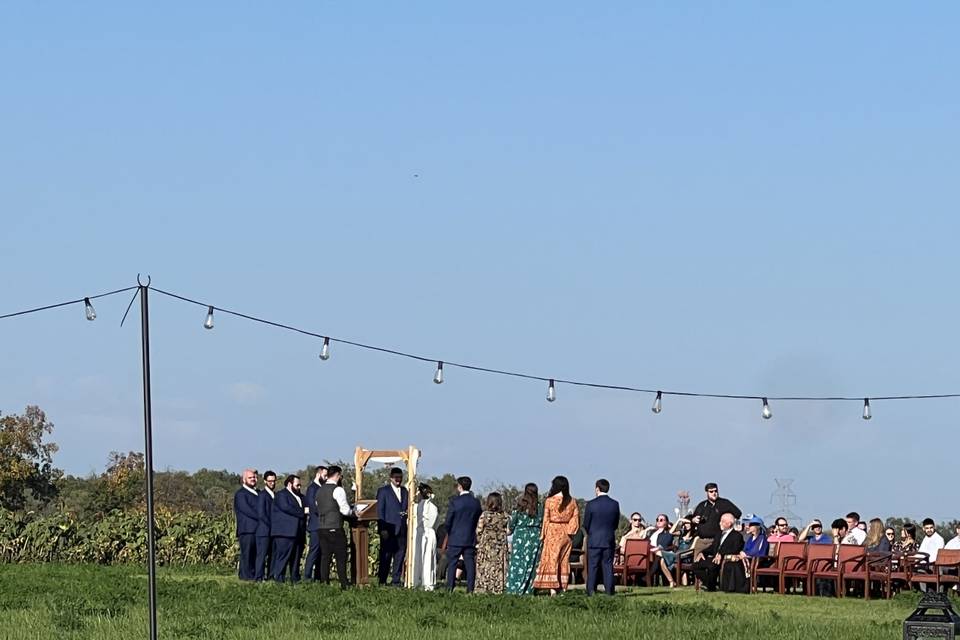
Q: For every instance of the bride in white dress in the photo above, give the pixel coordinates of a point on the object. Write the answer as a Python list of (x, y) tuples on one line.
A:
[(425, 540)]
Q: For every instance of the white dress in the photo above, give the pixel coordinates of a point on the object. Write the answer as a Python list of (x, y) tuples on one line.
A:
[(425, 543)]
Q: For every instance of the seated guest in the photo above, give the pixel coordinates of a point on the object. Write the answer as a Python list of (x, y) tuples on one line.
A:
[(954, 542), (756, 544), (637, 531), (891, 535), (855, 533), (781, 532), (907, 545), (876, 541), (682, 532), (839, 529), (724, 554), (661, 539), (813, 534), (932, 541)]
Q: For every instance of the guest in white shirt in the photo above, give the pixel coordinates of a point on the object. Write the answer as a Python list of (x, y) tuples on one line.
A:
[(954, 542), (855, 535), (932, 541)]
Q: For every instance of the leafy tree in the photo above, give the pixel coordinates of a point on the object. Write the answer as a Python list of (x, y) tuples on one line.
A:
[(26, 461)]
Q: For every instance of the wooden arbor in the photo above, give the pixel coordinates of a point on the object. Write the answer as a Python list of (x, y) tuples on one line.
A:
[(367, 509)]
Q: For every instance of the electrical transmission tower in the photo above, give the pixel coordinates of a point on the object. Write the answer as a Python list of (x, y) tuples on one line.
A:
[(784, 498)]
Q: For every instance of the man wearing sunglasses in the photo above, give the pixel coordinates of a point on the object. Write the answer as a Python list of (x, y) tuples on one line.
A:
[(781, 532), (706, 517)]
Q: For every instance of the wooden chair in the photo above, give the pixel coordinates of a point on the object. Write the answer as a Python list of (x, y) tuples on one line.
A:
[(772, 570), (684, 562), (921, 570), (820, 558), (948, 559), (828, 568), (578, 563), (849, 557), (635, 561), (793, 563), (872, 567)]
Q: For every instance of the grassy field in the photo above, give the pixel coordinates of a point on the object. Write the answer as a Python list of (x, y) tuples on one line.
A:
[(109, 603)]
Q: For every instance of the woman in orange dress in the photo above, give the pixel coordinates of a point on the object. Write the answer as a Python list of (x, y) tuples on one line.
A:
[(561, 519)]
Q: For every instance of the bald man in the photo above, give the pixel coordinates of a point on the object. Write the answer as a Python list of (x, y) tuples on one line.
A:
[(245, 508), (722, 560)]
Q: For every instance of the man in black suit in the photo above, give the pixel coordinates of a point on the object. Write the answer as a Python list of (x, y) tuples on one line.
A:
[(600, 520), (264, 511), (392, 501), (725, 552), (245, 509), (463, 513), (287, 530), (311, 568)]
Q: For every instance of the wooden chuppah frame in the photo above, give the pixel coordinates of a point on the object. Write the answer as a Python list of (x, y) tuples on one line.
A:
[(360, 533)]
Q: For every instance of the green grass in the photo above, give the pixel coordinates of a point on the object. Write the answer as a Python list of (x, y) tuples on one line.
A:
[(109, 603)]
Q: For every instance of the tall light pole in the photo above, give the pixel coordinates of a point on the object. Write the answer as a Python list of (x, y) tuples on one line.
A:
[(148, 449)]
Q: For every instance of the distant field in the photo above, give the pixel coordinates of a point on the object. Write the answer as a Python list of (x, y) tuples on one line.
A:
[(109, 603)]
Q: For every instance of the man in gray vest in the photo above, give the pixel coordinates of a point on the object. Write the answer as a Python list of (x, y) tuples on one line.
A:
[(331, 508)]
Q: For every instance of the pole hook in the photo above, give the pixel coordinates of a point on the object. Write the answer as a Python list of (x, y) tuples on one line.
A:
[(144, 285)]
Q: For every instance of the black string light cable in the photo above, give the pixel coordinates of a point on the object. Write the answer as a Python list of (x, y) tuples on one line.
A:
[(552, 383), (91, 314)]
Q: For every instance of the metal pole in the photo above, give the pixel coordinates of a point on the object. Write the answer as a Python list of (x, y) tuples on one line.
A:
[(148, 447)]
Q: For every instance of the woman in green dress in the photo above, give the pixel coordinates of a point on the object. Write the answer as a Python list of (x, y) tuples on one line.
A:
[(525, 524)]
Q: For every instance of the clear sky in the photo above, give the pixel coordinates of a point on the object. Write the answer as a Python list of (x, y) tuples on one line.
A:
[(739, 198)]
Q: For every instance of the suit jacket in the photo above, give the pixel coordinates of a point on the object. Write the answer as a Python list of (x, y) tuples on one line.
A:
[(600, 520), (245, 508), (264, 512), (733, 544), (463, 513), (389, 509), (286, 517), (313, 523)]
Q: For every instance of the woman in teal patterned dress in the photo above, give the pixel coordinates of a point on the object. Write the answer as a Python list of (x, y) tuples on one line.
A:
[(525, 524)]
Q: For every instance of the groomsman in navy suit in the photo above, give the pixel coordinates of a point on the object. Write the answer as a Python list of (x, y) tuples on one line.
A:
[(311, 568), (392, 501), (600, 521), (245, 508), (264, 511), (286, 528), (463, 513)]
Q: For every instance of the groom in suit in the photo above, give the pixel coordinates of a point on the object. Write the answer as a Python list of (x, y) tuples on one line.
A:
[(392, 501), (286, 524), (463, 513), (600, 521)]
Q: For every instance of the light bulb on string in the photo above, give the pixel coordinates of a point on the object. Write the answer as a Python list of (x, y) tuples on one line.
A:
[(208, 323), (438, 376), (89, 310), (325, 349), (658, 403), (551, 391), (866, 409), (766, 413)]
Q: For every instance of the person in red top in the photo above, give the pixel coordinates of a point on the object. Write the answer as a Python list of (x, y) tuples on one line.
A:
[(781, 532)]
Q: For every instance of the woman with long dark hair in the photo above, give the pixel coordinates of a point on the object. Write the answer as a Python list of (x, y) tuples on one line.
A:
[(526, 522), (425, 539), (492, 546), (561, 520)]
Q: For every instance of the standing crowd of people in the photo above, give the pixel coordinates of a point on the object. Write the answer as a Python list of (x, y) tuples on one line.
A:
[(526, 550)]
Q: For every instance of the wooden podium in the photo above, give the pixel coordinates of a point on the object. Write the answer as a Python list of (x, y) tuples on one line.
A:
[(360, 527)]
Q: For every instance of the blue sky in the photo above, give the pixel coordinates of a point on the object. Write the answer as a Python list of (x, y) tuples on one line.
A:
[(744, 199)]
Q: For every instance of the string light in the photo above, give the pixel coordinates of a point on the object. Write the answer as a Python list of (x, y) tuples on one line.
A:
[(90, 314), (438, 376), (88, 309)]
